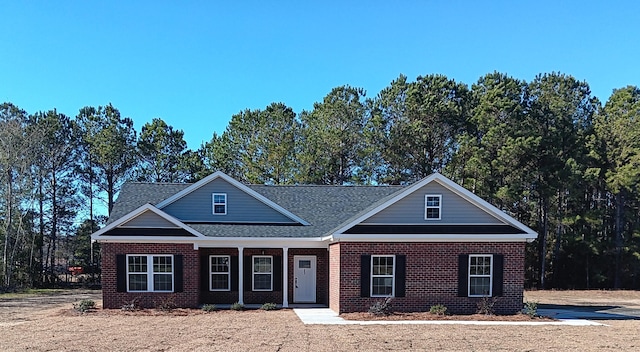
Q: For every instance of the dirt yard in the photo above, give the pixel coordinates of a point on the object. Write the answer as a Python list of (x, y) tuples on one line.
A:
[(48, 323)]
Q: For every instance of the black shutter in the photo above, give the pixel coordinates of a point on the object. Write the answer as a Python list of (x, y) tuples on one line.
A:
[(277, 273), (400, 274), (121, 273), (463, 275), (498, 265), (247, 273), (178, 274), (204, 273), (365, 275), (234, 273)]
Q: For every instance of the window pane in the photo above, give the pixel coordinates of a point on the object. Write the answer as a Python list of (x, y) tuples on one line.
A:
[(162, 264), (137, 282), (304, 264), (382, 265), (137, 264), (219, 264), (479, 286), (262, 281), (220, 281), (433, 213), (261, 264), (433, 201), (162, 282), (382, 286), (219, 198)]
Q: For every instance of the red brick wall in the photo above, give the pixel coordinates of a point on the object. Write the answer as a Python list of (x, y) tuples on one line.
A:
[(113, 299), (322, 272), (431, 275)]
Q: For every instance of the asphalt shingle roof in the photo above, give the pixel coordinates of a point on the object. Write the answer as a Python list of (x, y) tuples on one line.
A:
[(325, 208)]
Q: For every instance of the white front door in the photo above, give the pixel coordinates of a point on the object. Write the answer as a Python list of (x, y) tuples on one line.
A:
[(304, 279)]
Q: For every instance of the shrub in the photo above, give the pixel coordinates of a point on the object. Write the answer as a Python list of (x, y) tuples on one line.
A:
[(237, 306), (485, 305), (165, 303), (209, 308), (531, 309), (131, 306), (438, 309), (84, 306), (269, 306), (383, 307)]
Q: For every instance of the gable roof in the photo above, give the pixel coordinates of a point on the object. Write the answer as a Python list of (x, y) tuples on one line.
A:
[(445, 182), (123, 220), (322, 206), (331, 212), (240, 186)]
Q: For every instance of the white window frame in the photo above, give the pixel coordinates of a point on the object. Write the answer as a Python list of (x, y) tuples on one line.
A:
[(392, 276), (213, 202), (254, 273), (490, 275), (228, 273), (150, 273), (427, 207)]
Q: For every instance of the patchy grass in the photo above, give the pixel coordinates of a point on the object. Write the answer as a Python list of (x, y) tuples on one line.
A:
[(48, 323)]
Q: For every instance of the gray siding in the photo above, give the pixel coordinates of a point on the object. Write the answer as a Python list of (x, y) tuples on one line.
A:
[(241, 207), (410, 210), (148, 219)]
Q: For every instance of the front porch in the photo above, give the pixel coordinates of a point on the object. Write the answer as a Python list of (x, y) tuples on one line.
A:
[(252, 276)]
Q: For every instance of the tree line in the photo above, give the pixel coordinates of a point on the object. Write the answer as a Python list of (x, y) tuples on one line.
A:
[(547, 152)]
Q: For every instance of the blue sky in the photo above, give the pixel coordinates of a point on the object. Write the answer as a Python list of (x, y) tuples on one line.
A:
[(196, 63)]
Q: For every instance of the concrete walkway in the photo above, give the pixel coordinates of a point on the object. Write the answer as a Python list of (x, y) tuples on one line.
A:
[(325, 316)]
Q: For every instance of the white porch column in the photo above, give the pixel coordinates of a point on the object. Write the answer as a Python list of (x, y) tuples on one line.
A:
[(285, 277), (240, 275)]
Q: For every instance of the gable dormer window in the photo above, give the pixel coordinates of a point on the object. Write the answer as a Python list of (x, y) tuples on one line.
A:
[(219, 204), (432, 206)]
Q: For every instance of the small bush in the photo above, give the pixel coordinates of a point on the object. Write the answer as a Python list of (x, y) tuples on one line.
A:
[(165, 303), (84, 306), (486, 304), (531, 309), (209, 308), (237, 306), (269, 306), (381, 308), (438, 309), (130, 306)]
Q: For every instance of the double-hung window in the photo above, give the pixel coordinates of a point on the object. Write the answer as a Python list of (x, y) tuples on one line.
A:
[(382, 275), (262, 273), (220, 273), (432, 207), (219, 204), (480, 275), (150, 273)]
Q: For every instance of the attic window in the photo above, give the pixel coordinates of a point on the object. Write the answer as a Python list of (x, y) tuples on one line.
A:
[(219, 204), (432, 207)]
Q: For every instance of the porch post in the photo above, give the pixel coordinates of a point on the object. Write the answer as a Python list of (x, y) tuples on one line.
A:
[(240, 275), (285, 277)]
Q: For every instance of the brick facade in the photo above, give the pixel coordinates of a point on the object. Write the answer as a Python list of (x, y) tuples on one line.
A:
[(431, 275), (113, 299), (195, 276)]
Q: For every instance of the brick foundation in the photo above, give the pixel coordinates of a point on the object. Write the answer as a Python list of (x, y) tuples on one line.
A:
[(431, 275)]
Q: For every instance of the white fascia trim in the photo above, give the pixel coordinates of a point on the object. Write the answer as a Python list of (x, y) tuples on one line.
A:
[(431, 238), (231, 242), (452, 186), (239, 185), (137, 212)]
